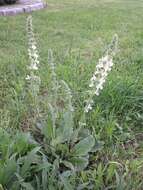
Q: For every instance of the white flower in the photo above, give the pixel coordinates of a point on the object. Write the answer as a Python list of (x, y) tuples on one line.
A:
[(91, 84), (33, 78), (81, 124), (35, 55), (33, 67), (33, 46), (28, 77), (99, 77), (96, 93), (88, 108)]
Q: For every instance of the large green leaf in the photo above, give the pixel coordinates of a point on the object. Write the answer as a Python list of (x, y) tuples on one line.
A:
[(22, 142), (5, 143), (64, 132), (7, 171), (22, 183), (67, 125), (47, 130), (84, 146), (68, 164), (79, 163), (31, 157), (27, 186)]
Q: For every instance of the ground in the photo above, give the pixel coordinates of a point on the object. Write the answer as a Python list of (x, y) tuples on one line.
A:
[(78, 31)]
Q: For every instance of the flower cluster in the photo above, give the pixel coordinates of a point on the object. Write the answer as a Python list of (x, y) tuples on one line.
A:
[(33, 79), (99, 77)]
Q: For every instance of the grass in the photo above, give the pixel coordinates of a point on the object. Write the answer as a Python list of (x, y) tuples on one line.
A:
[(78, 32)]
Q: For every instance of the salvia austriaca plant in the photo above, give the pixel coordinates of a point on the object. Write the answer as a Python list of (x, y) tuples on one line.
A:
[(57, 149)]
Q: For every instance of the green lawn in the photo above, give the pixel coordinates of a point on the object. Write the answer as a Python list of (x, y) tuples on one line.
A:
[(78, 31)]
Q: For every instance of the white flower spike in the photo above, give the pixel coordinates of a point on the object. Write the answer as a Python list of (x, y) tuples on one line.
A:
[(102, 70)]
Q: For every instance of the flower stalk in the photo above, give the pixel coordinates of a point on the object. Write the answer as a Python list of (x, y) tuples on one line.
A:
[(32, 78), (99, 77)]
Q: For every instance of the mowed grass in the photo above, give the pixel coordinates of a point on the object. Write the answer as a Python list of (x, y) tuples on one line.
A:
[(78, 31)]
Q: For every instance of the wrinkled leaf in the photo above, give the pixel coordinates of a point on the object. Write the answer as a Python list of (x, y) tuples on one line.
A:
[(65, 131), (47, 130), (66, 128), (23, 141), (68, 164), (27, 186), (32, 157), (7, 172), (84, 146), (98, 146), (79, 163)]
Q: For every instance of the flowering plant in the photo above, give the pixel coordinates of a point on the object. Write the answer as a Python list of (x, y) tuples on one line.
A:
[(99, 77), (57, 149)]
